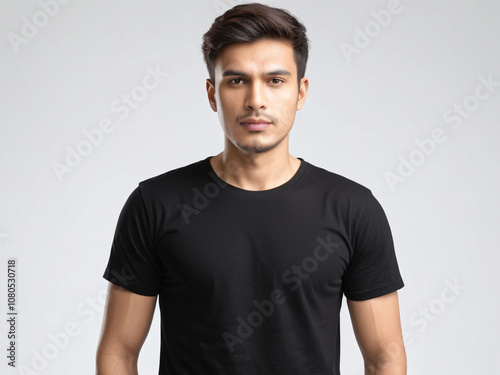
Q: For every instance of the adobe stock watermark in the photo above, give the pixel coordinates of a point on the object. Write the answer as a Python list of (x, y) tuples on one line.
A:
[(12, 320), (87, 310), (363, 36), (293, 278), (454, 117), (430, 313), (31, 26), (122, 107), (201, 198)]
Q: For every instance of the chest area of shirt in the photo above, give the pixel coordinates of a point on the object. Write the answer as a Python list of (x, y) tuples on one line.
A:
[(276, 242)]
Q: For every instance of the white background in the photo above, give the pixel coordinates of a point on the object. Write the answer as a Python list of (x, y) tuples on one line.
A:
[(365, 113)]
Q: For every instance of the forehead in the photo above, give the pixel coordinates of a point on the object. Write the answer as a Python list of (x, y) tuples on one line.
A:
[(254, 57)]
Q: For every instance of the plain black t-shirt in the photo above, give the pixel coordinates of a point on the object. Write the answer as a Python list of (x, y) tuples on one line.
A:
[(251, 282)]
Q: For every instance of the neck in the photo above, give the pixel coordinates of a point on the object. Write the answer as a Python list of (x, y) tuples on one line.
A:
[(255, 171)]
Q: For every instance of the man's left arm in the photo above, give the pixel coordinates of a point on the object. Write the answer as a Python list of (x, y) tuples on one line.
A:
[(377, 327)]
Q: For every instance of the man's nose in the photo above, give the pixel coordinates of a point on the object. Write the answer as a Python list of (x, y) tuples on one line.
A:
[(256, 96)]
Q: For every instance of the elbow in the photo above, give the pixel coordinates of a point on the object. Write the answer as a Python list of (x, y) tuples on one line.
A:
[(390, 360), (113, 360)]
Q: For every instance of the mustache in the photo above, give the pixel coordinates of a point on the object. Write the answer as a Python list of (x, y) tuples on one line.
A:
[(258, 115)]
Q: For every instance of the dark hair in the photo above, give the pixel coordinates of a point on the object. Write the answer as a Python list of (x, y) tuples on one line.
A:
[(250, 22)]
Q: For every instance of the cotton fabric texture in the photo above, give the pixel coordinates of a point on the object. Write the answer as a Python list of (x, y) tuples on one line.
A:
[(251, 282)]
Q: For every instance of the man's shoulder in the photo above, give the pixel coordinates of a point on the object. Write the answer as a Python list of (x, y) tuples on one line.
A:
[(180, 178), (337, 182), (348, 194)]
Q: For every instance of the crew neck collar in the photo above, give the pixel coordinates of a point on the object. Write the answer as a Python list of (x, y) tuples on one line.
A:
[(256, 193)]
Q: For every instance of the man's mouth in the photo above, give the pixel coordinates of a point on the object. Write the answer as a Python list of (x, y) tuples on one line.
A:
[(255, 124)]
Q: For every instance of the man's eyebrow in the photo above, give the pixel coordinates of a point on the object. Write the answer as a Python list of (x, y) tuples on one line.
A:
[(279, 72)]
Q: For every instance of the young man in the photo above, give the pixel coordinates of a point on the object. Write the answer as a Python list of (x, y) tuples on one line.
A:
[(251, 251)]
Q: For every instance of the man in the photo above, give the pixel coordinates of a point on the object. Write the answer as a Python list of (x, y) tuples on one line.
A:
[(251, 251)]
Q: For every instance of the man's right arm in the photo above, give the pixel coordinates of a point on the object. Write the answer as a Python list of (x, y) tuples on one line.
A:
[(126, 323)]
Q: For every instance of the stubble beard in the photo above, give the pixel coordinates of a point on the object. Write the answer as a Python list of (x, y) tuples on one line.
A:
[(258, 147)]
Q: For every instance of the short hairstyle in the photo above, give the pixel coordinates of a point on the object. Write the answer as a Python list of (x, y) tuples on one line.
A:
[(250, 22)]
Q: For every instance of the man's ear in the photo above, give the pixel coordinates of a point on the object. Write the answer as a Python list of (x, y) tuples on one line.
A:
[(211, 94), (304, 86)]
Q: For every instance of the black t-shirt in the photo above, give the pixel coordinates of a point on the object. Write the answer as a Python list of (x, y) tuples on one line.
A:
[(251, 282)]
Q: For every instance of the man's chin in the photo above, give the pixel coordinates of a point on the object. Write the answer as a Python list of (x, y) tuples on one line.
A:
[(256, 147)]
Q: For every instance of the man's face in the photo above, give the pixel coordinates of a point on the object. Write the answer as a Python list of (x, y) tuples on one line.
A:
[(256, 93)]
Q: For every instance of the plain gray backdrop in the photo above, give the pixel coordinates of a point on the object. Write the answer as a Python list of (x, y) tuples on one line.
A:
[(404, 98)]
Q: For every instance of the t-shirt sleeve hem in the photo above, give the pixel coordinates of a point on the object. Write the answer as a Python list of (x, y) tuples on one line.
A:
[(130, 287), (373, 293)]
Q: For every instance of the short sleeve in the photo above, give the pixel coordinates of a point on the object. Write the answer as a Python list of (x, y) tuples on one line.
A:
[(373, 269), (133, 263)]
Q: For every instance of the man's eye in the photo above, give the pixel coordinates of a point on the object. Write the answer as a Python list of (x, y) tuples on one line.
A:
[(236, 81), (277, 81)]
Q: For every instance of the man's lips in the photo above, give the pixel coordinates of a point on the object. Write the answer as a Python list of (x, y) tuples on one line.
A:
[(255, 124), (255, 121)]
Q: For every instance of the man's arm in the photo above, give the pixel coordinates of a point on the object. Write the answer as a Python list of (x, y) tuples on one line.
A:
[(377, 328), (126, 324)]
